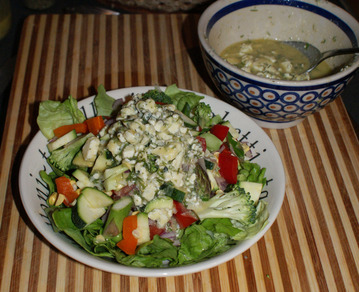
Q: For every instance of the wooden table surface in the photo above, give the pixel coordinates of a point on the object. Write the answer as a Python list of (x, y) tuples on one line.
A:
[(312, 246)]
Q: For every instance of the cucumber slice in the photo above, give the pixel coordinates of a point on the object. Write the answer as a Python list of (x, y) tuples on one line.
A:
[(119, 210), (172, 192), (114, 177), (114, 171), (83, 179), (62, 141), (101, 163), (159, 203), (142, 232), (90, 205), (253, 188), (212, 142)]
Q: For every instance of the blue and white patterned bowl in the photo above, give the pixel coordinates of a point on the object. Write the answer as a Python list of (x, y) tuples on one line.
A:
[(277, 103)]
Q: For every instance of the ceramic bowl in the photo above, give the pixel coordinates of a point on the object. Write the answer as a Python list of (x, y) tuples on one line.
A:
[(277, 103)]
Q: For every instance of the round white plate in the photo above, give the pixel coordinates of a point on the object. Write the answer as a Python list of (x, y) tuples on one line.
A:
[(34, 192)]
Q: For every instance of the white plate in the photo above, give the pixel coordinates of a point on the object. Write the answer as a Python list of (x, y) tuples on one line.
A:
[(34, 193)]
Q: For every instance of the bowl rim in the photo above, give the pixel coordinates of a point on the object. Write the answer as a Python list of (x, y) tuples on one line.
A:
[(328, 7)]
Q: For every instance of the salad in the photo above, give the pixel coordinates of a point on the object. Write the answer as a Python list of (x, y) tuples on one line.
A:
[(155, 181)]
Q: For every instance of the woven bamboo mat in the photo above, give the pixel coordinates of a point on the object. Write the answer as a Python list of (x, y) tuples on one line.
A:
[(313, 245)]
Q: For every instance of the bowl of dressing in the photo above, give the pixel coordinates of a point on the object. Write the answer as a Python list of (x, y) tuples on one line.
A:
[(243, 44)]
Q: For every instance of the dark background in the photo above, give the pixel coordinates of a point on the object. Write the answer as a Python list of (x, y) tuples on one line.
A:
[(9, 45)]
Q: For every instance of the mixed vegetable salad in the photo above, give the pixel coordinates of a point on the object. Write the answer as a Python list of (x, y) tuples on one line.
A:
[(156, 181)]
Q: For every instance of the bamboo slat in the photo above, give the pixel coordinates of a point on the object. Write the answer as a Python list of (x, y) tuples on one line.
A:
[(312, 246)]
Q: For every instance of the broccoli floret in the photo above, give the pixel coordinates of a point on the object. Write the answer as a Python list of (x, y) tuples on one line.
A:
[(158, 96), (236, 205), (203, 116), (61, 159)]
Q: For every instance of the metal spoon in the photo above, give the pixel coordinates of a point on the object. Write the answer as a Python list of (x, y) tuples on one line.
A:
[(315, 56)]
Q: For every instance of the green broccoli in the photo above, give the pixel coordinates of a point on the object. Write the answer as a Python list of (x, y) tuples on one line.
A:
[(202, 115), (61, 159), (158, 96), (236, 205)]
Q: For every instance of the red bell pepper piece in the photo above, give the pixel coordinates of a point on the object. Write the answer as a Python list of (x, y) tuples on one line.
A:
[(203, 142), (80, 128), (129, 242), (95, 124), (64, 187), (155, 230), (228, 166), (184, 216), (220, 131)]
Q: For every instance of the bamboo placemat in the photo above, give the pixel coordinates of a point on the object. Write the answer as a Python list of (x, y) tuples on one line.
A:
[(313, 245)]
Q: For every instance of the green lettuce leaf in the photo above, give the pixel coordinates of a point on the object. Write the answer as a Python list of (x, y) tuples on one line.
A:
[(53, 114), (61, 218), (181, 98), (156, 253), (103, 102), (198, 243), (220, 225)]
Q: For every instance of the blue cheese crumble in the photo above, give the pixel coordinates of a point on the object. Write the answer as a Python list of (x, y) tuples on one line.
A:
[(154, 144)]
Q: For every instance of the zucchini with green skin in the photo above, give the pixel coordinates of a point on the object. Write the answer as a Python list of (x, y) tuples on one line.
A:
[(159, 203), (62, 141), (119, 210), (109, 172), (90, 205), (102, 162), (83, 178), (142, 232), (212, 142), (62, 158), (170, 191)]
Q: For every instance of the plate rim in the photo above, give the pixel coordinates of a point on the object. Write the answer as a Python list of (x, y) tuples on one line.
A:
[(117, 268)]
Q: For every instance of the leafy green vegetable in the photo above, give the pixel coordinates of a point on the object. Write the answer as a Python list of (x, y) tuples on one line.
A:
[(61, 159), (180, 98), (49, 180), (252, 172), (198, 244), (153, 254), (103, 102), (158, 96), (220, 225), (235, 146), (261, 220), (235, 205), (53, 114), (151, 164), (85, 238), (203, 116)]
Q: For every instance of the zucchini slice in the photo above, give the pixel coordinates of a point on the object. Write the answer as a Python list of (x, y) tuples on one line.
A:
[(91, 205)]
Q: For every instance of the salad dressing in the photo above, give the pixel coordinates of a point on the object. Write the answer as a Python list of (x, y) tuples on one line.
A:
[(272, 59)]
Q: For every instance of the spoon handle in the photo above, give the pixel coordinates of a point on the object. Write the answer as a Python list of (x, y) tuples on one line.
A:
[(333, 53)]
